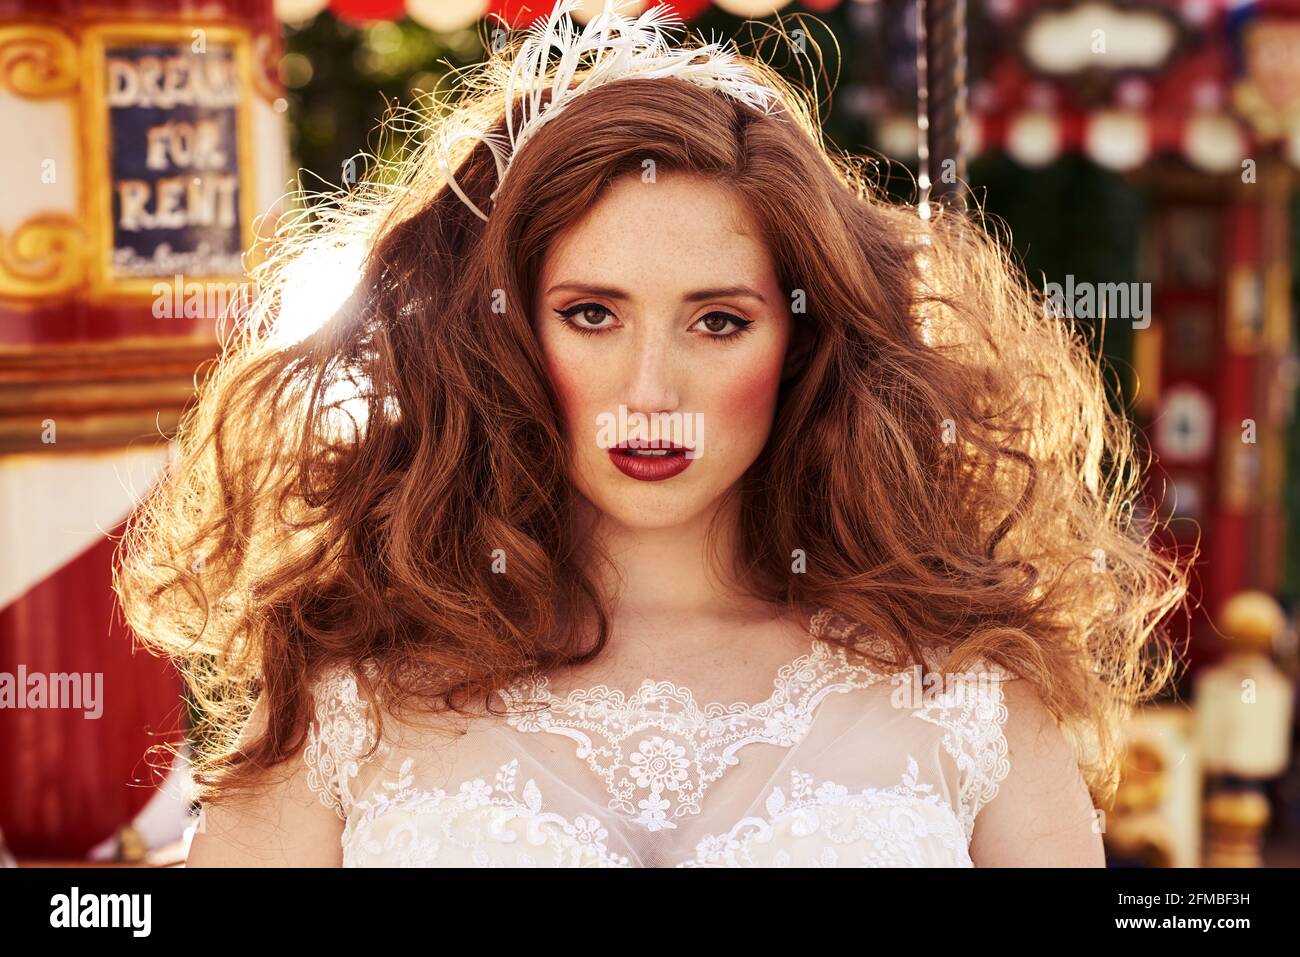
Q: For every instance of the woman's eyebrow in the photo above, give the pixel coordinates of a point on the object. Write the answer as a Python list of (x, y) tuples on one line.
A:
[(699, 295)]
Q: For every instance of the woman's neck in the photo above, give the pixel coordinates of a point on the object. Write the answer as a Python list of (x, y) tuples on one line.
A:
[(659, 580)]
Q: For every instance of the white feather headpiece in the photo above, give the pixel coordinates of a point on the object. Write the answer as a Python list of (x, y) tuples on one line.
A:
[(611, 47)]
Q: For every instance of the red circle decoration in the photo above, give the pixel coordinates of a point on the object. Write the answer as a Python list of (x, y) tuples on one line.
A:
[(519, 13), (358, 12), (688, 9), (524, 13)]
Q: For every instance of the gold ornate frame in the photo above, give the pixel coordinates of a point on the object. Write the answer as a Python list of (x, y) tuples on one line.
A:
[(106, 394), (96, 201), (44, 256)]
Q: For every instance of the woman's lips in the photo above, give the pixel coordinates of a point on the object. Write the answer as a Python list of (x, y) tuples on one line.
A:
[(649, 461)]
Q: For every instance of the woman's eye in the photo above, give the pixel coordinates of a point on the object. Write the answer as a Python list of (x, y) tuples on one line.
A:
[(586, 317), (589, 318), (716, 324)]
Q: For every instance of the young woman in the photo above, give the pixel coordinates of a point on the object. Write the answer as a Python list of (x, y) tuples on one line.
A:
[(659, 496)]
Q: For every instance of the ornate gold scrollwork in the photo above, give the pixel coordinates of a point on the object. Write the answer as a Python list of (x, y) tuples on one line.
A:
[(38, 61), (43, 257)]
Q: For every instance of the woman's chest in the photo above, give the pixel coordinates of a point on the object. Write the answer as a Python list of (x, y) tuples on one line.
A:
[(511, 819), (652, 780), (833, 768)]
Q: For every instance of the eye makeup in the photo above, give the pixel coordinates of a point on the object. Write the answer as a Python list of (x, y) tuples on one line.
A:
[(568, 315)]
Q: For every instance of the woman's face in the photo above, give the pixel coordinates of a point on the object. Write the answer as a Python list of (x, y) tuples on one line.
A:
[(661, 317)]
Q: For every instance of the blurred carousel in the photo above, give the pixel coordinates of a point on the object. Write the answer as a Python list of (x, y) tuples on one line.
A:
[(145, 144), (1199, 786)]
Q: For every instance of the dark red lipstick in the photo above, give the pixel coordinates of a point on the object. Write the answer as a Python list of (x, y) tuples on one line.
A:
[(648, 460)]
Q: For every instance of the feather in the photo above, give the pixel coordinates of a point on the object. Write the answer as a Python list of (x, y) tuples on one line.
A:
[(610, 47)]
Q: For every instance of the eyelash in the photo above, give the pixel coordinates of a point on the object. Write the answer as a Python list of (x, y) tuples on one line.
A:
[(566, 316)]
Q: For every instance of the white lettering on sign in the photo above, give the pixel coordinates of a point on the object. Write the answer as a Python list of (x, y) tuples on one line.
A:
[(168, 81), (177, 202)]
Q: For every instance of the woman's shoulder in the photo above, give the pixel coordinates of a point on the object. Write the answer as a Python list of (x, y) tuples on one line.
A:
[(1008, 747), (895, 656), (357, 732), (340, 735), (352, 714), (965, 700), (336, 689), (948, 660)]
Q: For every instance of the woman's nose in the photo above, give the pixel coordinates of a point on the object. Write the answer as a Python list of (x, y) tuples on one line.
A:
[(651, 375)]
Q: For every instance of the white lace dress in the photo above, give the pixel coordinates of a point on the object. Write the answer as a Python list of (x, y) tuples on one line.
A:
[(843, 765)]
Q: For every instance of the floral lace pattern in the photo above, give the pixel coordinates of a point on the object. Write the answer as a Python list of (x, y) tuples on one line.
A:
[(341, 734), (973, 716), (879, 827), (654, 754), (657, 751), (483, 821), (498, 826)]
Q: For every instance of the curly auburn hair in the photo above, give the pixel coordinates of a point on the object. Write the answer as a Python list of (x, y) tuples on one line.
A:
[(946, 456)]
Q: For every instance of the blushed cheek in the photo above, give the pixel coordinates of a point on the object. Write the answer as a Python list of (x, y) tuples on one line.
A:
[(568, 386), (576, 390), (746, 398)]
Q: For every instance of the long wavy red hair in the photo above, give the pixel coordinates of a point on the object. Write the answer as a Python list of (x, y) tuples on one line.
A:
[(946, 457)]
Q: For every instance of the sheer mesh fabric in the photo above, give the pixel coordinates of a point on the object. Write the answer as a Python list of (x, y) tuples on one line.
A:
[(845, 764)]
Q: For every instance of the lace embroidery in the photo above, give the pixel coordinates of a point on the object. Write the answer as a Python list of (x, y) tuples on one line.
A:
[(342, 732), (656, 778), (973, 715), (576, 843), (890, 821), (874, 827), (688, 749)]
